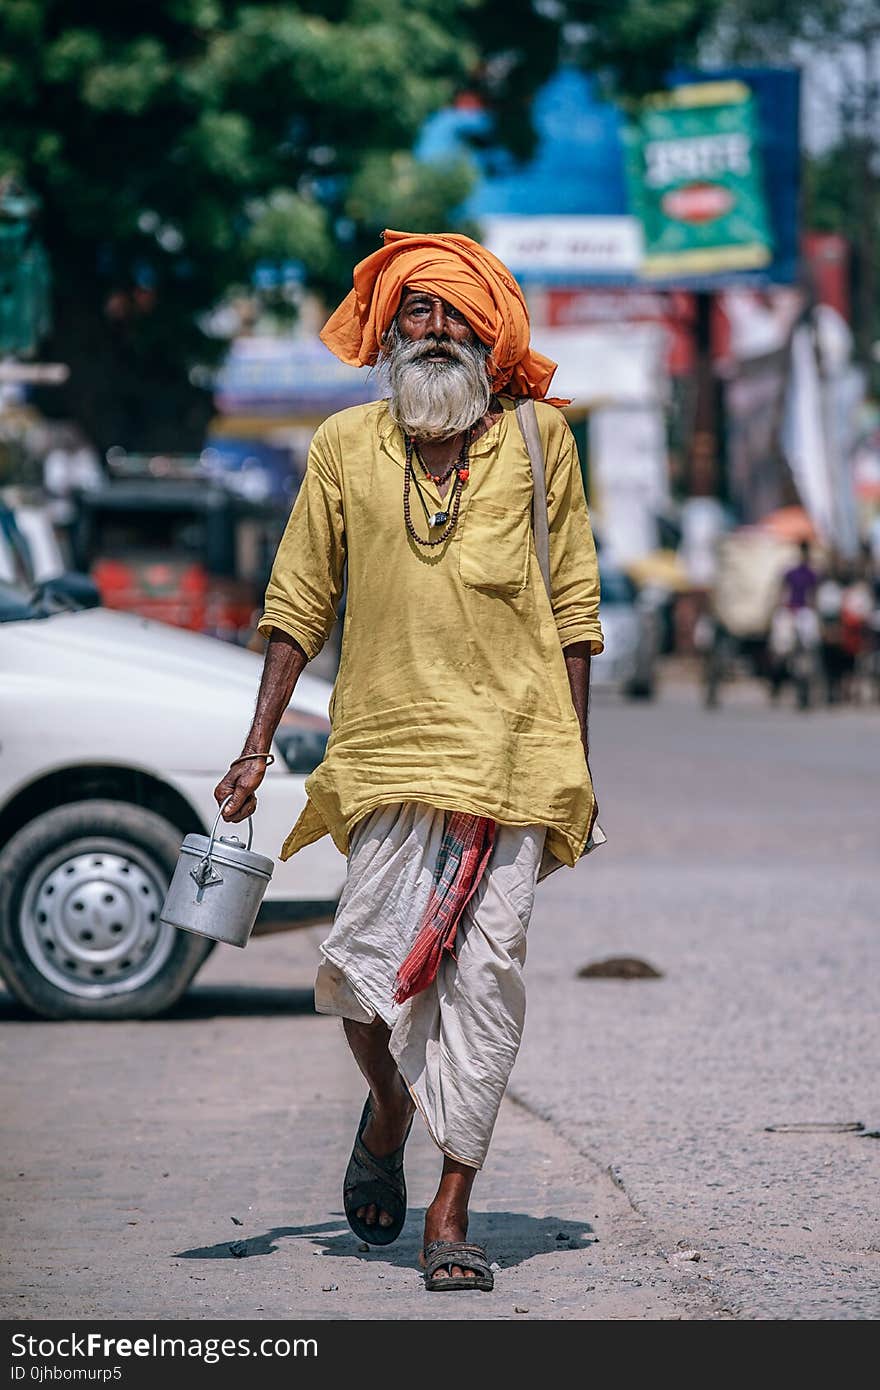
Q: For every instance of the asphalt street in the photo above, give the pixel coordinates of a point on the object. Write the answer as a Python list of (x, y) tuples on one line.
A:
[(191, 1166)]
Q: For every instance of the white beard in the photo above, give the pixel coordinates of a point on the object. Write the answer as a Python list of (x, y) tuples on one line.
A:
[(435, 400)]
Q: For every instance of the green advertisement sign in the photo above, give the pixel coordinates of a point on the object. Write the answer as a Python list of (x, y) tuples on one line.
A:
[(695, 181)]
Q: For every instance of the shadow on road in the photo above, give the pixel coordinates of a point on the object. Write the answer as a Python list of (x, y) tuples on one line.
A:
[(13, 1012), (231, 1001), (201, 1001), (510, 1237)]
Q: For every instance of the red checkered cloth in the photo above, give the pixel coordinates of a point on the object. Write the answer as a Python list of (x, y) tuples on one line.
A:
[(464, 853)]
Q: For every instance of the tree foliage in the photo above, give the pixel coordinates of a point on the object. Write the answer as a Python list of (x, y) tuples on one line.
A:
[(635, 43), (175, 146)]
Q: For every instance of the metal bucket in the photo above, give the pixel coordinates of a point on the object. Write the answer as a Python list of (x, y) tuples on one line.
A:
[(217, 886)]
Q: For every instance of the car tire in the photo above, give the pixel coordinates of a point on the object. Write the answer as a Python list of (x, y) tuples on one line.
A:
[(81, 889)]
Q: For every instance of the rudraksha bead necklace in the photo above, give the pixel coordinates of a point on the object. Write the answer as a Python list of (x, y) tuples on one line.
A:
[(447, 518)]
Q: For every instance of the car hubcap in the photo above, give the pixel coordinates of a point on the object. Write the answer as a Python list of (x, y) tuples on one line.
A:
[(90, 919)]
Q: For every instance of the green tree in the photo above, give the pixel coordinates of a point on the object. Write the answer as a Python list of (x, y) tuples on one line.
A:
[(174, 146), (635, 43)]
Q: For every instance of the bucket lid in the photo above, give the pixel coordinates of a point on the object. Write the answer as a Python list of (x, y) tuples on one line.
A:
[(229, 850)]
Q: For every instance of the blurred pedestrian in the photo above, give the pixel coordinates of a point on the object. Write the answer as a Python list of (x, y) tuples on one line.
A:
[(456, 773), (795, 635), (846, 606), (856, 609), (873, 577), (829, 602), (800, 582)]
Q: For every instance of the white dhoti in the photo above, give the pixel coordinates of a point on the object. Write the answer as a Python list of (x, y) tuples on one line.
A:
[(455, 1043)]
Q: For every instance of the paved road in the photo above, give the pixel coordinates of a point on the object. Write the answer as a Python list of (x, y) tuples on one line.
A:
[(740, 863)]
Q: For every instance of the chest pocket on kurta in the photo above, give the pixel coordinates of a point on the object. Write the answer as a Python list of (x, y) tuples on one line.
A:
[(494, 549)]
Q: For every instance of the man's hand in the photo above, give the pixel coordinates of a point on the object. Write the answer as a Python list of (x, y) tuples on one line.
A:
[(241, 782)]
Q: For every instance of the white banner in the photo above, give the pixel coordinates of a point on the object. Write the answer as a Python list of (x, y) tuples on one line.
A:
[(606, 363), (803, 435), (629, 478), (565, 245)]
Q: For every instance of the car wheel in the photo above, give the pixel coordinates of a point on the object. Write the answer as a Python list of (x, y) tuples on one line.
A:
[(81, 889)]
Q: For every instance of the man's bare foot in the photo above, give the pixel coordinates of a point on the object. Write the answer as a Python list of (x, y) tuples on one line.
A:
[(383, 1134), (447, 1216)]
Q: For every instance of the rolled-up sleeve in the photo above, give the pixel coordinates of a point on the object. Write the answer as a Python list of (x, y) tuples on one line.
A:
[(574, 571), (305, 585)]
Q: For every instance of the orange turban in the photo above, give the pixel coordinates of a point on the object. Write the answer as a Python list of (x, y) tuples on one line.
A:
[(468, 277)]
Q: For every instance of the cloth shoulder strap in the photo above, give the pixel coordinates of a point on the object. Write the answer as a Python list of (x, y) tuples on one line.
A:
[(527, 419)]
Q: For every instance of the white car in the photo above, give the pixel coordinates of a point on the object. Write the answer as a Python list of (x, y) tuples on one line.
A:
[(629, 623), (114, 731)]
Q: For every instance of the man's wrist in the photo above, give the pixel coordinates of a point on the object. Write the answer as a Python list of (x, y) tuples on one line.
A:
[(257, 743)]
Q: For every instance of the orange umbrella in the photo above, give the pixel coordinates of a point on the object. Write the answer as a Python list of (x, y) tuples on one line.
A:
[(790, 524)]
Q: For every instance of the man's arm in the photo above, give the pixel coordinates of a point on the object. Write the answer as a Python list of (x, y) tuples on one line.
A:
[(577, 665), (302, 598), (282, 666)]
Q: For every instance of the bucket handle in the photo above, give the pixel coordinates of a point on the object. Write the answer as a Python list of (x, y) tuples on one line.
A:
[(204, 872), (223, 804)]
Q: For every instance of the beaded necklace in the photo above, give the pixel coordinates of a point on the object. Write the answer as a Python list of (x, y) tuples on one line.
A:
[(439, 478), (448, 518)]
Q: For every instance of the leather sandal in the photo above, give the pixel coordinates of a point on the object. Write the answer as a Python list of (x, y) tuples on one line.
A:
[(373, 1181), (443, 1254)]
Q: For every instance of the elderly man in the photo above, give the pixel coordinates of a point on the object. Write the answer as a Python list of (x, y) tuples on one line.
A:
[(456, 772)]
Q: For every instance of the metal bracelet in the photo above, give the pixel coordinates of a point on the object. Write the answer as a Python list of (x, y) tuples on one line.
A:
[(270, 758)]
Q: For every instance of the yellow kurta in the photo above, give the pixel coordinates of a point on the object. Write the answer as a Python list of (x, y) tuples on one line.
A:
[(452, 688)]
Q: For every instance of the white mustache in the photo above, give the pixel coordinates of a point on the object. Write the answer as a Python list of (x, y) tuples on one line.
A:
[(422, 349)]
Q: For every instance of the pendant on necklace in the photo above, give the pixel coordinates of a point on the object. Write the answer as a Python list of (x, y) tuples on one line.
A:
[(438, 518)]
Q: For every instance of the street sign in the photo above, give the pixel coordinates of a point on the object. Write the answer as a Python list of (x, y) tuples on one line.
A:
[(577, 176), (566, 245), (696, 181)]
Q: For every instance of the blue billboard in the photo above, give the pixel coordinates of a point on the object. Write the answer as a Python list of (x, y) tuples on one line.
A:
[(578, 170)]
